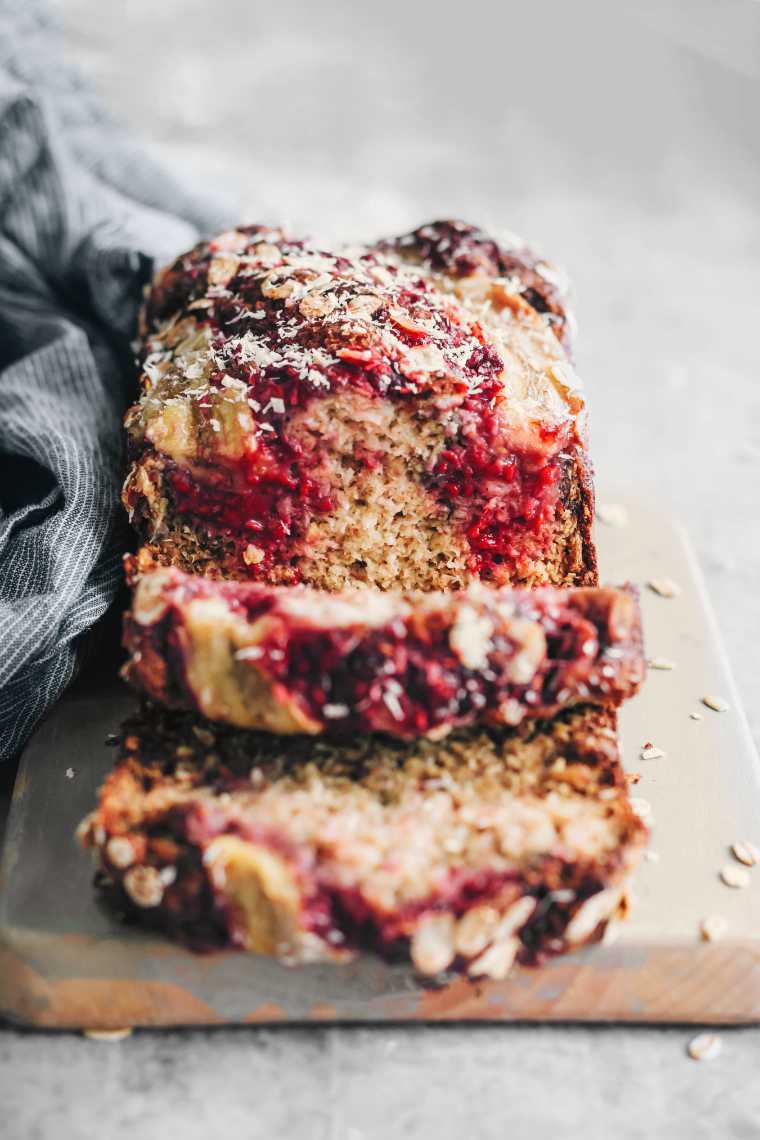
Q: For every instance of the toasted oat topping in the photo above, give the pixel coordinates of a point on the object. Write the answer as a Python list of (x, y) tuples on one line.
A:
[(144, 886), (432, 948), (496, 961), (462, 254), (224, 323), (594, 911), (120, 852)]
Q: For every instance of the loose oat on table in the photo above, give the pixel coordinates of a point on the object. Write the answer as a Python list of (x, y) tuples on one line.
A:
[(705, 1047), (107, 1034), (612, 514), (713, 927), (734, 876), (663, 663), (664, 587), (745, 852), (717, 704), (651, 752)]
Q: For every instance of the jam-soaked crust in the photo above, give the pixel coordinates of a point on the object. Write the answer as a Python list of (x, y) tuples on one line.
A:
[(448, 393), (466, 854), (292, 659)]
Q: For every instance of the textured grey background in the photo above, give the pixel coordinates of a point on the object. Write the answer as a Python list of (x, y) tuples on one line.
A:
[(625, 142)]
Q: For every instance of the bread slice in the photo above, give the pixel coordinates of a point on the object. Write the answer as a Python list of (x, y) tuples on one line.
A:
[(467, 854), (387, 416), (293, 659)]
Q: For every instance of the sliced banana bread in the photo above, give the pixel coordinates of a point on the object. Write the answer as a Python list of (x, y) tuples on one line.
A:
[(491, 846), (294, 659)]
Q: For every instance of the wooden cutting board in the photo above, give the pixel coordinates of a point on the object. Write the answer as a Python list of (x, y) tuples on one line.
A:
[(65, 962)]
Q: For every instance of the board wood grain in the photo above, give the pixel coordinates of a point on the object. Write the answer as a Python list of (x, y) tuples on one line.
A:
[(65, 962)]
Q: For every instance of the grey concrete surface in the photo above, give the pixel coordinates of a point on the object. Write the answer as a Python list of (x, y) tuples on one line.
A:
[(624, 140), (455, 1083)]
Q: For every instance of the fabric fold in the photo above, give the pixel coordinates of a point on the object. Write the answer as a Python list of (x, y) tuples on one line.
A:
[(84, 217)]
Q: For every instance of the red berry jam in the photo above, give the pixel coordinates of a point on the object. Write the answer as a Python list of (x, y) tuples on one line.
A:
[(406, 676)]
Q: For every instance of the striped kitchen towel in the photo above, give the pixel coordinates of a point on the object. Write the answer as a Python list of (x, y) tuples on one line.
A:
[(84, 213)]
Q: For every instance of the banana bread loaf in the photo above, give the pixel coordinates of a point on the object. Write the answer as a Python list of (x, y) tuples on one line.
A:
[(401, 416)]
